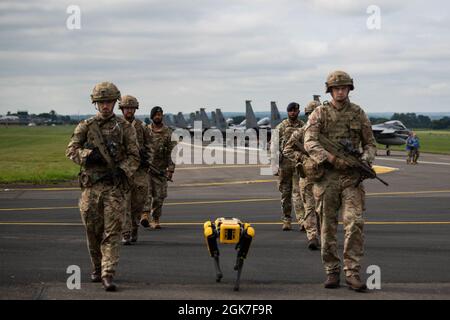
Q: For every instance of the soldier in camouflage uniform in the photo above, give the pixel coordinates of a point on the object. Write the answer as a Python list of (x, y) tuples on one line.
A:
[(338, 189), (139, 184), (288, 179), (105, 148), (295, 152), (162, 146)]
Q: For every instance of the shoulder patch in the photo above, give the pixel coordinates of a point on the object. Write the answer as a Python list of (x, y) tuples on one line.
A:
[(89, 121)]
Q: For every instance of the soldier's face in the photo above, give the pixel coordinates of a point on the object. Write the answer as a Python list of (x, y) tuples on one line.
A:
[(340, 93), (106, 107), (128, 113), (157, 118), (293, 114)]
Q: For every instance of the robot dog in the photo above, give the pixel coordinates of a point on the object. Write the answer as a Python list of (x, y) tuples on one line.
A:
[(228, 231)]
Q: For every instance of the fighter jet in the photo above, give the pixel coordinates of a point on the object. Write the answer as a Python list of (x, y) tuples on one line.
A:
[(167, 120), (180, 121), (390, 133)]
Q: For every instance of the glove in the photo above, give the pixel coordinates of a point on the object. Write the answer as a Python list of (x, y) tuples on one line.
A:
[(119, 174), (120, 177), (95, 157)]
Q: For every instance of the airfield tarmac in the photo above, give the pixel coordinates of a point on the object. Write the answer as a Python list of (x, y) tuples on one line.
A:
[(407, 235)]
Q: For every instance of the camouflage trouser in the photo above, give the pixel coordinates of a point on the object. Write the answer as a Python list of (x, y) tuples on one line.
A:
[(288, 185), (333, 193), (157, 192), (310, 220), (136, 198), (413, 155), (102, 208)]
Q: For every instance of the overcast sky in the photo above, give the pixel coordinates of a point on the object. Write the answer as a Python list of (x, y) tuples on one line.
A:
[(183, 55)]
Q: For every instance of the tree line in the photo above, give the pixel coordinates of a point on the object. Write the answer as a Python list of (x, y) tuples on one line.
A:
[(414, 121)]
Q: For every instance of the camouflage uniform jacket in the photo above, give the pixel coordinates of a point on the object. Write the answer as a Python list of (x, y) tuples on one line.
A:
[(162, 146), (285, 130), (291, 149), (117, 133), (144, 142), (349, 122)]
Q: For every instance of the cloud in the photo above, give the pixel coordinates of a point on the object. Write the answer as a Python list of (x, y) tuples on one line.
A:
[(195, 53)]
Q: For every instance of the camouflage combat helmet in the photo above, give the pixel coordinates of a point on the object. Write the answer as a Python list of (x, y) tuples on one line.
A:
[(338, 78), (105, 91), (311, 106), (128, 101)]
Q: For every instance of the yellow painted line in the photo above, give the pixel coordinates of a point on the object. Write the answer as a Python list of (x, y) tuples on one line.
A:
[(400, 193), (378, 170), (38, 208), (31, 223), (220, 201), (201, 184), (383, 169), (236, 200), (42, 189)]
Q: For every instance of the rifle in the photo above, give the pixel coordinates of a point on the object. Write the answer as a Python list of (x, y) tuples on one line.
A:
[(345, 151), (99, 142), (106, 149), (156, 171)]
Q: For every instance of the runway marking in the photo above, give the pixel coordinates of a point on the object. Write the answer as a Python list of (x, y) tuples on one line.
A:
[(224, 183), (43, 189), (378, 170), (37, 208), (400, 193), (419, 162), (32, 223), (383, 169)]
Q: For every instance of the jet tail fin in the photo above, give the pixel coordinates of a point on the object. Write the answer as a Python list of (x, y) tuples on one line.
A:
[(168, 121), (275, 117), (213, 119), (250, 116), (204, 118), (180, 121), (220, 120)]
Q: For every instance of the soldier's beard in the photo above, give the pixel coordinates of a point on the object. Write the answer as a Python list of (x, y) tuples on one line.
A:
[(106, 113), (157, 122)]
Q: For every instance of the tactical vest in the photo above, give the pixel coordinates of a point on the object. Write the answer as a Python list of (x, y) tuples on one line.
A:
[(161, 146), (140, 127), (112, 132), (344, 124), (286, 131)]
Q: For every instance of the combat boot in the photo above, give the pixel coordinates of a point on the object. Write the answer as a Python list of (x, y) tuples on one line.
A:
[(96, 275), (155, 224), (126, 240), (108, 283), (313, 244), (354, 283), (144, 220), (286, 226), (332, 281), (134, 235)]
